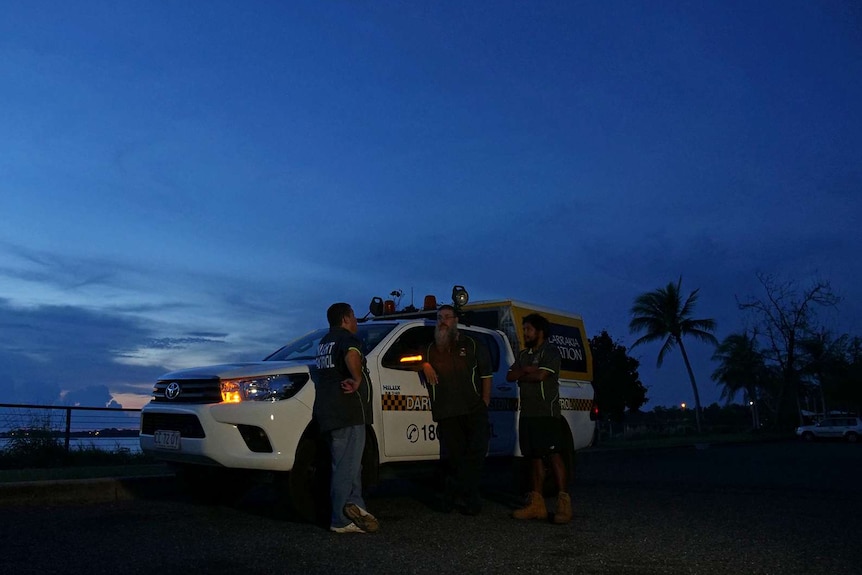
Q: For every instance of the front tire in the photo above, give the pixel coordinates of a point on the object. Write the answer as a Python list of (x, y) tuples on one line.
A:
[(808, 436), (852, 437), (309, 481)]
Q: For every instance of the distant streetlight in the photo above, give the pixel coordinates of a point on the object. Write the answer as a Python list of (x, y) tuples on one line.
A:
[(755, 423), (682, 405)]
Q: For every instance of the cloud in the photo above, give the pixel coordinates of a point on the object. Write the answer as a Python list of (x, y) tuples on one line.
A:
[(58, 354), (180, 342)]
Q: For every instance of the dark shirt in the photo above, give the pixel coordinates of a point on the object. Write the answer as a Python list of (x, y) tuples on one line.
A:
[(459, 378), (333, 408), (541, 398)]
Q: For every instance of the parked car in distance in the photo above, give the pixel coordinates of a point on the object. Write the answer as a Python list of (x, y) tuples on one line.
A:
[(846, 428)]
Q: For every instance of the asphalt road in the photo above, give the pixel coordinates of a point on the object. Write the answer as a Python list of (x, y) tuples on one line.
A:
[(782, 508)]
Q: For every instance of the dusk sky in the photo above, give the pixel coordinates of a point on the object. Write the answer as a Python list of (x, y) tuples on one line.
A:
[(185, 183)]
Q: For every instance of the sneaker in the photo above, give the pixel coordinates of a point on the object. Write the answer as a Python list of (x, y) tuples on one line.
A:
[(349, 528), (363, 519)]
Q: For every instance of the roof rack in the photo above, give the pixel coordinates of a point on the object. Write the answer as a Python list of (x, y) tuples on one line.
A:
[(387, 309)]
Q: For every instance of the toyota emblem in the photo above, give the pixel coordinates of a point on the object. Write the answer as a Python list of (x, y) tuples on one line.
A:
[(172, 391)]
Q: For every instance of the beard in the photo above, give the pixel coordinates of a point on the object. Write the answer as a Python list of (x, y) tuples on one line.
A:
[(445, 337), (530, 343)]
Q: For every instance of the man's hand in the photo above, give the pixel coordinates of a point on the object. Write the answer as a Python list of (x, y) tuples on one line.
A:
[(349, 385), (522, 373), (430, 374)]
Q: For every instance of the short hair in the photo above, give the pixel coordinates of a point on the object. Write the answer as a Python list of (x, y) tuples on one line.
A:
[(539, 323), (337, 312), (449, 307)]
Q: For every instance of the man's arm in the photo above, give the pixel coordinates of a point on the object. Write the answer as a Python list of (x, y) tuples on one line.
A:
[(533, 374), (486, 372), (353, 359), (529, 373), (515, 372), (486, 390), (430, 373)]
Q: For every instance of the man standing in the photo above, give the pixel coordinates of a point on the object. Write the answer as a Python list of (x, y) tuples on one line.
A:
[(342, 407), (537, 371), (458, 373)]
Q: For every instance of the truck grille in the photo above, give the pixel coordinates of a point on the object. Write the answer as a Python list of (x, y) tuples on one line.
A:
[(186, 423), (190, 391)]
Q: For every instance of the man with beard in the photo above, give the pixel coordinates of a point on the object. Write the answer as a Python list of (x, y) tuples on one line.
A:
[(458, 374), (537, 371)]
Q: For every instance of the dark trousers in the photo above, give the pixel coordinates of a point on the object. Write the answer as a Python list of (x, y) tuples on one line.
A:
[(463, 445)]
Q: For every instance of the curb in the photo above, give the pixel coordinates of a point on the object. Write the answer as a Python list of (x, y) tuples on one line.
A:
[(82, 491)]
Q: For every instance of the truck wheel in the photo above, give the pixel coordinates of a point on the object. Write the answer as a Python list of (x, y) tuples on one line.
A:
[(370, 463), (309, 481), (852, 437)]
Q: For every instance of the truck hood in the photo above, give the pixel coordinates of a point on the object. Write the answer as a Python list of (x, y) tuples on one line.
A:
[(241, 369)]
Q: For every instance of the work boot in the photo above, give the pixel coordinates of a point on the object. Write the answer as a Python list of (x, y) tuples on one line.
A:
[(535, 508), (563, 512)]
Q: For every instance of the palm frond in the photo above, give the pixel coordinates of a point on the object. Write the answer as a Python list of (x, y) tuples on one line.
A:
[(668, 346)]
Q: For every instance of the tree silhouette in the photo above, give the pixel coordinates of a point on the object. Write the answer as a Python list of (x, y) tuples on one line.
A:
[(787, 317), (615, 378), (663, 315), (741, 366)]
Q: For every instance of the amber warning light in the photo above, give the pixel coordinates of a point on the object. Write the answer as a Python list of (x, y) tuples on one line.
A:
[(380, 307)]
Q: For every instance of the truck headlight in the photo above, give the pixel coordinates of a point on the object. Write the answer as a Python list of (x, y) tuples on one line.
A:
[(261, 388)]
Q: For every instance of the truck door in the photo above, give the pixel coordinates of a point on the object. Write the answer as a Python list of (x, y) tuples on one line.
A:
[(408, 430), (502, 411), (406, 411)]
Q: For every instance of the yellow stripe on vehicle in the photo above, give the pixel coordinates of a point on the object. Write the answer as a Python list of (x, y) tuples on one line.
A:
[(393, 402), (571, 404)]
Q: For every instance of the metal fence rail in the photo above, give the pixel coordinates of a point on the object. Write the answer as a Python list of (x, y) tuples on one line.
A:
[(106, 428)]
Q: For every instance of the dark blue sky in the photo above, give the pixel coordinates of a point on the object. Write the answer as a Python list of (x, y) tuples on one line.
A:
[(186, 183)]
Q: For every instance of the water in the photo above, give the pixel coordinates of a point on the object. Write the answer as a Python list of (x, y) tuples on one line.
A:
[(111, 444)]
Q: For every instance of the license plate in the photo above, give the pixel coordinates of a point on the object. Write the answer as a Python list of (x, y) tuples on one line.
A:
[(167, 439)]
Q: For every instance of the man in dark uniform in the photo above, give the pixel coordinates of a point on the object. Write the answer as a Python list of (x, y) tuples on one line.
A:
[(537, 371), (458, 372), (342, 407)]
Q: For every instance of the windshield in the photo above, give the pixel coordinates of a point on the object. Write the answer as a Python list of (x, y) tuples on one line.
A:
[(305, 348)]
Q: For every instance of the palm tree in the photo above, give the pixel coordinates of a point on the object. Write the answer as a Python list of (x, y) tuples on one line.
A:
[(663, 316), (741, 366), (823, 359)]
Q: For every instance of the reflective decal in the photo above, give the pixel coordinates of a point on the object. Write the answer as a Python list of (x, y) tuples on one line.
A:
[(392, 402)]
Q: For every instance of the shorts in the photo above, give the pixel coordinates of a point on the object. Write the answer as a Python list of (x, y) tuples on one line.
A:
[(540, 436)]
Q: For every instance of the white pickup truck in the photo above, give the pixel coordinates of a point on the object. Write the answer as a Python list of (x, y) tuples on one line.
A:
[(258, 415)]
